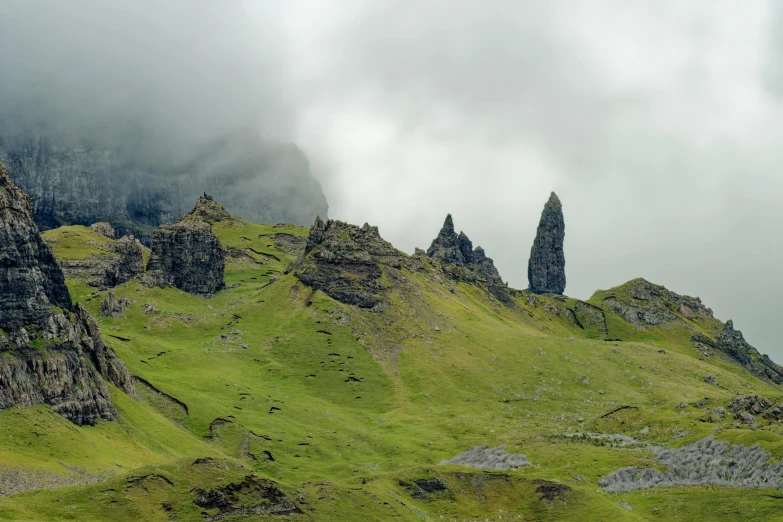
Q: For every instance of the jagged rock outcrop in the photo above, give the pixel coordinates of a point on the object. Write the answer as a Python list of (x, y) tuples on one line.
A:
[(114, 263), (457, 256), (732, 343), (80, 182), (112, 306), (546, 267), (52, 352), (642, 304), (188, 255), (346, 262), (30, 278)]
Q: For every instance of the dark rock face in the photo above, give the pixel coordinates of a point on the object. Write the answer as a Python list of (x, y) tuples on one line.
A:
[(30, 278), (49, 356), (187, 255), (732, 343), (456, 254), (81, 184), (118, 262), (346, 262), (546, 268)]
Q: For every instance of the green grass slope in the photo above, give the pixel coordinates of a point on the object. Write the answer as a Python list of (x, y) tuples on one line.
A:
[(348, 410)]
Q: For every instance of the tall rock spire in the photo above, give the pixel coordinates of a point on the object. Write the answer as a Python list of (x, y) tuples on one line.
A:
[(546, 268)]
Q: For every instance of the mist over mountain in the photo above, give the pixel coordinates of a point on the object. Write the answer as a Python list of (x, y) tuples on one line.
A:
[(127, 112)]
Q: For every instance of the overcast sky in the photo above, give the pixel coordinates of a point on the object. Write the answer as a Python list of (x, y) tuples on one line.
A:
[(659, 123)]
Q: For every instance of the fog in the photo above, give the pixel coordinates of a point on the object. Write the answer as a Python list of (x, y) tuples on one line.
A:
[(658, 122)]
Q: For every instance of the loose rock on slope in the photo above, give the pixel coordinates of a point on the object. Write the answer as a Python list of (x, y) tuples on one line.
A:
[(188, 255), (546, 268), (50, 355)]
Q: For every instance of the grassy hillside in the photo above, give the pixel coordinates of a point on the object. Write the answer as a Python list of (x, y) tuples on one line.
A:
[(271, 394)]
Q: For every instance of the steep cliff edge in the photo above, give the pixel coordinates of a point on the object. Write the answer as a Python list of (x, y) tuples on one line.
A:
[(50, 352), (187, 255), (71, 182)]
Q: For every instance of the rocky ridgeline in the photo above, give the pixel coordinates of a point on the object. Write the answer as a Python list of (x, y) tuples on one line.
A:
[(642, 303), (345, 262), (546, 267), (117, 261), (53, 352), (731, 342), (187, 254), (459, 259)]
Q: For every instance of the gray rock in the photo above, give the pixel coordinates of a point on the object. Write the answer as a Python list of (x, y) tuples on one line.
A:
[(113, 307), (346, 262), (546, 267), (457, 256), (73, 183), (50, 356), (732, 343), (31, 280), (187, 255)]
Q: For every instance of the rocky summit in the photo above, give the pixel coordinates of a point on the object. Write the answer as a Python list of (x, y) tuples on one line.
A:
[(52, 353), (456, 253), (345, 262), (546, 267), (187, 255)]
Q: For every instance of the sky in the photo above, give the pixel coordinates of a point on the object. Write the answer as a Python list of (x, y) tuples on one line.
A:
[(657, 122)]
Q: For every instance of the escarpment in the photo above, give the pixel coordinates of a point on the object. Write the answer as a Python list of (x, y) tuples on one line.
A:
[(459, 259), (188, 255), (50, 352)]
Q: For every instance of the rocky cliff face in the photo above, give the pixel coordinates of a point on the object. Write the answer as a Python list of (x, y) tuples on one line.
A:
[(52, 353), (346, 262), (546, 268), (456, 254), (187, 255), (31, 281), (75, 183)]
